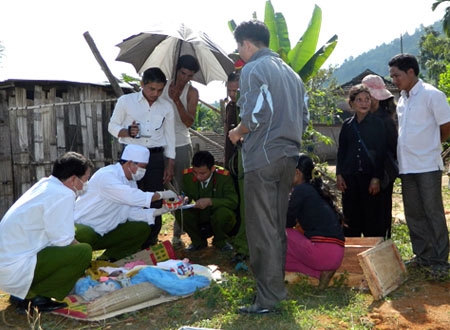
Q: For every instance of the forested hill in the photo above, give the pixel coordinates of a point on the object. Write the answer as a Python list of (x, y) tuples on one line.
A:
[(377, 59)]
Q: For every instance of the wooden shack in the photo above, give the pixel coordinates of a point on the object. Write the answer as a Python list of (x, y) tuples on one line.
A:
[(40, 120)]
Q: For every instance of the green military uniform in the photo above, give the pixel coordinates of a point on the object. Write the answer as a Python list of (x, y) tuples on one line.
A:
[(232, 119), (220, 217), (240, 240)]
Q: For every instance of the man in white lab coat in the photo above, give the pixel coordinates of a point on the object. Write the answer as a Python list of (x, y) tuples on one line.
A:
[(40, 260), (114, 214)]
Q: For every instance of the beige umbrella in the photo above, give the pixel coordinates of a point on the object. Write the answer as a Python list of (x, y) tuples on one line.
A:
[(162, 48)]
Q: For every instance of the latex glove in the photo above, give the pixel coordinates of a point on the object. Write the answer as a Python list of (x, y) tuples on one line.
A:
[(168, 194), (161, 211)]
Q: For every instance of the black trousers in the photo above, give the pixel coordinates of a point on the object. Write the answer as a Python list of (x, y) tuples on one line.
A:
[(363, 212), (153, 181)]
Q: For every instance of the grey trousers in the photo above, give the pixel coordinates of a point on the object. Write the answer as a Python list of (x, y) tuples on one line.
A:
[(266, 193), (425, 217)]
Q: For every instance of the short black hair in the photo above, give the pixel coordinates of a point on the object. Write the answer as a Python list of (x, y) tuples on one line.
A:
[(71, 163), (404, 62), (188, 62), (154, 75), (255, 31), (203, 158), (233, 76)]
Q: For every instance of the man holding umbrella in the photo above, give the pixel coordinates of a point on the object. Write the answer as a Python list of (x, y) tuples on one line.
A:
[(146, 119), (184, 99)]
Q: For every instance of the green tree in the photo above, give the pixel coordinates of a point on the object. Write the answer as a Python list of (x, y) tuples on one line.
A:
[(444, 81), (207, 120), (444, 85), (323, 96), (434, 54), (303, 58)]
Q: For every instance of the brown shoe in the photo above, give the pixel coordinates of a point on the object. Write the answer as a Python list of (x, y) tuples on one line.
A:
[(325, 278)]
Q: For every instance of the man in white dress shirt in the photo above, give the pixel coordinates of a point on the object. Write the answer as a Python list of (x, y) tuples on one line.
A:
[(114, 214), (424, 123)]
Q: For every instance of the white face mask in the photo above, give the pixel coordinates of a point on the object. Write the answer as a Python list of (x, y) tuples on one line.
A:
[(140, 172), (83, 190)]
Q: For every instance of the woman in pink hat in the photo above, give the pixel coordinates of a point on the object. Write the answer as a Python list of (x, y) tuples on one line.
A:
[(383, 106)]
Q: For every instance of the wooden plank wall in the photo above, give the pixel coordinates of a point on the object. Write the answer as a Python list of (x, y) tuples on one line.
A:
[(6, 175), (32, 138)]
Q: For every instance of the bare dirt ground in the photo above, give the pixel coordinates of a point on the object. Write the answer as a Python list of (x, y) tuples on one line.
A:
[(420, 303), (416, 305)]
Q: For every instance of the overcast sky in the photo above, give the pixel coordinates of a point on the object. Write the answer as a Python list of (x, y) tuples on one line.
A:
[(44, 39)]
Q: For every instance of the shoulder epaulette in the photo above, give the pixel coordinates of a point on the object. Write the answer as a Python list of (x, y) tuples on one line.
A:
[(222, 171), (187, 170)]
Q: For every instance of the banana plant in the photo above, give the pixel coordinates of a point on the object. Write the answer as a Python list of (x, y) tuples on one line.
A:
[(303, 58)]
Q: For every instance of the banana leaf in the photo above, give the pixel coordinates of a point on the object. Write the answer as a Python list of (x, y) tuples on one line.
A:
[(232, 25), (279, 36), (283, 37), (269, 20), (307, 44), (303, 58), (313, 65)]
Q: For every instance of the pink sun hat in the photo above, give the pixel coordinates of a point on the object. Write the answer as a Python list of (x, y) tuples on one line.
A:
[(376, 86)]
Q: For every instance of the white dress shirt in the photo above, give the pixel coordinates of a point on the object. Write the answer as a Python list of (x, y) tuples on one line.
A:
[(112, 199), (157, 123), (41, 217), (419, 117)]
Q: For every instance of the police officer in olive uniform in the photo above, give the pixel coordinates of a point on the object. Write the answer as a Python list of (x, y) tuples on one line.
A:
[(213, 191)]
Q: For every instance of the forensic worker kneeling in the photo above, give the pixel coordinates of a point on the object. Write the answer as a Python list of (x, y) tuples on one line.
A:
[(114, 214)]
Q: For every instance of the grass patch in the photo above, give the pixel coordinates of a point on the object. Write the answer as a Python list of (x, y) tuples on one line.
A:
[(305, 308)]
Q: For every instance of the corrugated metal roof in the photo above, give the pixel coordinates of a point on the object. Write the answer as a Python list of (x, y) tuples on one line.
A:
[(52, 82)]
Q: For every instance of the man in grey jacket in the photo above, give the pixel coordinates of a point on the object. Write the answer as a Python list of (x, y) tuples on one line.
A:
[(274, 116)]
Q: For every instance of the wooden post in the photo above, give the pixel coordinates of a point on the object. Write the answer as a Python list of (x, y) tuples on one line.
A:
[(112, 80)]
